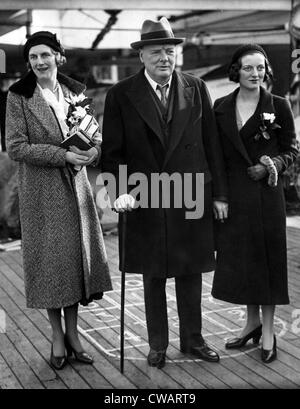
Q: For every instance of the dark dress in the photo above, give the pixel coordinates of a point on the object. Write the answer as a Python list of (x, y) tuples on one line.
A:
[(251, 244)]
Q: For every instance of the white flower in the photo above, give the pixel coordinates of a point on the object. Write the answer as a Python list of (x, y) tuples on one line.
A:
[(79, 112), (72, 120), (269, 117), (81, 97), (75, 99)]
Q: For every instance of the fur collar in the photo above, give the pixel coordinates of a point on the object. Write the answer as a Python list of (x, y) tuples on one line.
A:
[(26, 85)]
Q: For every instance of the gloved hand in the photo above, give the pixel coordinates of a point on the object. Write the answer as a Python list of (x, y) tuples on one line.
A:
[(220, 210), (257, 172), (124, 203)]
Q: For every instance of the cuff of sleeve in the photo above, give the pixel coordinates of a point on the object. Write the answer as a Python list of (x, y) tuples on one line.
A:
[(220, 198), (96, 161), (60, 157), (278, 164)]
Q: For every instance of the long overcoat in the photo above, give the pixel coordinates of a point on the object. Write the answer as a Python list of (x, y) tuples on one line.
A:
[(64, 256), (162, 241), (251, 244)]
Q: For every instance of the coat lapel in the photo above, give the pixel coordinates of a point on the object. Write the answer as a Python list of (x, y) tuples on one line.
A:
[(39, 107), (27, 87), (225, 113), (183, 102), (266, 105), (66, 91), (139, 96), (266, 101)]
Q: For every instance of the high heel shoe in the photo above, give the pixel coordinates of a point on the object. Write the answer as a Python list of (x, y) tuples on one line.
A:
[(240, 342), (82, 356), (57, 362), (269, 355)]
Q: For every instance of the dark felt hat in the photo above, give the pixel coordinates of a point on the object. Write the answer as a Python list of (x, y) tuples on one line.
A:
[(156, 32), (246, 49), (42, 37)]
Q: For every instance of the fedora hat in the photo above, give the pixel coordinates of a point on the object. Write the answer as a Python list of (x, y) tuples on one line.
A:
[(156, 32)]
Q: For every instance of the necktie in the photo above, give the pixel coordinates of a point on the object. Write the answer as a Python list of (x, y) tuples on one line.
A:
[(163, 93)]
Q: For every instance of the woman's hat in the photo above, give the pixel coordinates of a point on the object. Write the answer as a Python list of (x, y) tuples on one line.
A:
[(246, 49), (42, 37), (156, 32)]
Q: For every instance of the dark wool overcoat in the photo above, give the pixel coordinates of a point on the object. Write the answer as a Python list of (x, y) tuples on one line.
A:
[(160, 241), (63, 251), (251, 244)]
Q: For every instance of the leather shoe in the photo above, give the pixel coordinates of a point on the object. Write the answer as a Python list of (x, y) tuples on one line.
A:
[(203, 352), (236, 343), (81, 356), (57, 362), (157, 358), (269, 355)]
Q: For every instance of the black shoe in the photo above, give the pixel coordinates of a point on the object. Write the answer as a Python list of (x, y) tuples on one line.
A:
[(240, 342), (269, 355), (14, 233), (57, 362), (82, 356), (157, 358), (203, 352)]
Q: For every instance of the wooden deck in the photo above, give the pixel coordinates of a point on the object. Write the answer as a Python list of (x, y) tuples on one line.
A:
[(25, 338)]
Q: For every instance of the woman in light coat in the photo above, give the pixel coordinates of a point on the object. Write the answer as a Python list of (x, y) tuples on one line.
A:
[(64, 257)]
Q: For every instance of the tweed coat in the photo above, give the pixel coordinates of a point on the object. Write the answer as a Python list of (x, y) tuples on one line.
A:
[(251, 244), (63, 250), (162, 242)]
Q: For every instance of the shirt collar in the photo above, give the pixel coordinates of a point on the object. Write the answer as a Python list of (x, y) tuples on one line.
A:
[(154, 83)]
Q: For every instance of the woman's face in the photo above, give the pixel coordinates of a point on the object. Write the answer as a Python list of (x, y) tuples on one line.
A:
[(42, 61), (252, 71)]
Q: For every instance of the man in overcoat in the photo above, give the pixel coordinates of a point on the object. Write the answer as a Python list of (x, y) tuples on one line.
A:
[(160, 122)]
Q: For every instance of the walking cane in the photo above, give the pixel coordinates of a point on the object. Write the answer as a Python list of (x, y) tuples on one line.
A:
[(123, 238)]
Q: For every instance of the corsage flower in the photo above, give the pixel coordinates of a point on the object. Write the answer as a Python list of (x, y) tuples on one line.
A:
[(267, 123), (84, 132), (79, 107), (80, 118)]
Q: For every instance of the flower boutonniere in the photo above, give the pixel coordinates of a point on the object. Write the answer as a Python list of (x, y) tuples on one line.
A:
[(267, 123), (80, 118), (79, 106)]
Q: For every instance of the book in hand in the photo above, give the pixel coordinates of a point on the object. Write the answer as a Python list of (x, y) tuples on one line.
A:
[(82, 135), (78, 139)]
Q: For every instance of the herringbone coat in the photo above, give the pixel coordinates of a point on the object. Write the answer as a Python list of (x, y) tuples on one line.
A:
[(63, 251)]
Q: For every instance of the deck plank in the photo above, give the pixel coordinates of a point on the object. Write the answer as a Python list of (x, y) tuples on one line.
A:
[(8, 379), (24, 352), (97, 374)]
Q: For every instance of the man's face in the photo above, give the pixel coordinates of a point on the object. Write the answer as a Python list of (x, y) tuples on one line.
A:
[(159, 61)]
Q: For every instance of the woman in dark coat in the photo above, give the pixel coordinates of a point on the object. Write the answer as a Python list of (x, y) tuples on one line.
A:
[(258, 139), (63, 250)]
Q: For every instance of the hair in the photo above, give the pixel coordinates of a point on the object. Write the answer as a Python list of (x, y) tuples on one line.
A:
[(59, 59), (233, 72)]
